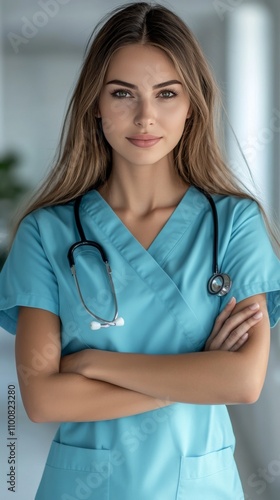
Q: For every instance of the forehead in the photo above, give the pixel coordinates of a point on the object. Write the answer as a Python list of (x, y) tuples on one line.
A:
[(141, 64)]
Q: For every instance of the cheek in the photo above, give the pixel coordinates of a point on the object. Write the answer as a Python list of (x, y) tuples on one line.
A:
[(113, 116), (119, 109), (108, 127), (176, 126), (182, 113), (176, 111), (176, 122)]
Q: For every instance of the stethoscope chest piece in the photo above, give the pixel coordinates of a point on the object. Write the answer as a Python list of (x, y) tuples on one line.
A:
[(219, 284)]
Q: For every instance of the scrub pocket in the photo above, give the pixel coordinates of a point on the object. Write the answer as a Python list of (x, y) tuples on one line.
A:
[(212, 476), (73, 473)]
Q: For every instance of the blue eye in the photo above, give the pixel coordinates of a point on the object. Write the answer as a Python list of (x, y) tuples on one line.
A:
[(167, 94), (121, 94)]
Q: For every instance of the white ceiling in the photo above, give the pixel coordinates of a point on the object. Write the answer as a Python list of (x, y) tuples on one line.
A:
[(75, 20)]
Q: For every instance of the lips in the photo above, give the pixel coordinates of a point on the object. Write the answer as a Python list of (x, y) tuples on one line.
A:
[(144, 140)]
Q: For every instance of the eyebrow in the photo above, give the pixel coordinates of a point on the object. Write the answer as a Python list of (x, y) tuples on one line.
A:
[(131, 86)]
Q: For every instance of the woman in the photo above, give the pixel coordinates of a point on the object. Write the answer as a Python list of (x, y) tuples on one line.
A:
[(141, 396)]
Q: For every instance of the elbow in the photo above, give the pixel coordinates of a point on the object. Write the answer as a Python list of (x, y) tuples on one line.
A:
[(34, 413), (251, 391), (36, 408), (34, 418), (250, 397), (37, 417), (39, 413), (36, 401)]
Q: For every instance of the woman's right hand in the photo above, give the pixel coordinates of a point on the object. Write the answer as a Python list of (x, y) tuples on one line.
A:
[(230, 330)]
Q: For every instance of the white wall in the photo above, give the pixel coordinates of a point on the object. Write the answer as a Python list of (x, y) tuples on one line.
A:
[(36, 90), (37, 83)]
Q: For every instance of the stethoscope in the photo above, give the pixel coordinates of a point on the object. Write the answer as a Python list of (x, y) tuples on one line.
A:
[(219, 284)]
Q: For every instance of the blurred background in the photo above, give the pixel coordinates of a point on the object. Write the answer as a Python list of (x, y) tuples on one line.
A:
[(41, 52)]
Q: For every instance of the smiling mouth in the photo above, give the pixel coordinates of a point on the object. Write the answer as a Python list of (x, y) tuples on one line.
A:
[(144, 142)]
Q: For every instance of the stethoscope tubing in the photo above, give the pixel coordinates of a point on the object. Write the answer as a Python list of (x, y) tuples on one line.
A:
[(218, 284), (71, 259)]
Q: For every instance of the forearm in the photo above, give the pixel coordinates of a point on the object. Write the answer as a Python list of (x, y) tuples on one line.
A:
[(51, 396), (216, 377), (72, 397), (199, 378)]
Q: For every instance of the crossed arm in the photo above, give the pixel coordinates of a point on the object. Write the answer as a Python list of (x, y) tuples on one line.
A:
[(102, 385)]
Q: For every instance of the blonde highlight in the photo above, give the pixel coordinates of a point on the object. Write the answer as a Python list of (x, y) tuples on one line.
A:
[(83, 160)]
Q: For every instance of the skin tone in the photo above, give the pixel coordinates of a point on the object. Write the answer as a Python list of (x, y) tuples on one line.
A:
[(143, 190)]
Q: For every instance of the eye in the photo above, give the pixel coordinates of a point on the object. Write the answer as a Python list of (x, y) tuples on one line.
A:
[(167, 94), (121, 94)]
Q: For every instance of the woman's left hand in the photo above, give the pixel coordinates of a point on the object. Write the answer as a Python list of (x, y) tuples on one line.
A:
[(230, 331)]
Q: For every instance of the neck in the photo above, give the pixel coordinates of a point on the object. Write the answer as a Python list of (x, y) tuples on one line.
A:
[(141, 189)]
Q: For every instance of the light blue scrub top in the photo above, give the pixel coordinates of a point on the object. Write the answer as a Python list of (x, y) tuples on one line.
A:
[(183, 451)]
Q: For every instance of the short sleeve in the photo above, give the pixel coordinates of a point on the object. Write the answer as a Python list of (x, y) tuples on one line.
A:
[(250, 260), (27, 278)]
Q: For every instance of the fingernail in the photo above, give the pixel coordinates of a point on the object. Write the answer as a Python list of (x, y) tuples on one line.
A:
[(231, 301), (258, 315), (254, 306)]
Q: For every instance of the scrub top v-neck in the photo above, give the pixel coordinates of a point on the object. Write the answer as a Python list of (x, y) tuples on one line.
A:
[(173, 453), (166, 238)]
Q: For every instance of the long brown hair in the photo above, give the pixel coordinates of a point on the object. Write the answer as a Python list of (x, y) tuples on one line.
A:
[(83, 158)]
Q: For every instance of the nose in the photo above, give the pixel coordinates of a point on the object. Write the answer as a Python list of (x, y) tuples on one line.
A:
[(144, 114)]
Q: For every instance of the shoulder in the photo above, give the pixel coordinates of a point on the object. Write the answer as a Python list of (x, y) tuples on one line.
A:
[(46, 219), (240, 220), (51, 213), (235, 204), (45, 230), (231, 205), (236, 210)]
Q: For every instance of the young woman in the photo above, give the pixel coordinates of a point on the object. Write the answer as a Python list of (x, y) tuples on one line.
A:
[(137, 358)]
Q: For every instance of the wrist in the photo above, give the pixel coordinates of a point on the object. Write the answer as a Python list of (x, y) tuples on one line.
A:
[(87, 363), (105, 365), (78, 362)]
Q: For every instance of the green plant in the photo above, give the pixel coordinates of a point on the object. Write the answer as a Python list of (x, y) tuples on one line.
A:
[(11, 190), (10, 187)]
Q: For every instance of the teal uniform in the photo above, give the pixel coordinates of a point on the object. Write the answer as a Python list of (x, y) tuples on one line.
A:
[(178, 452)]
